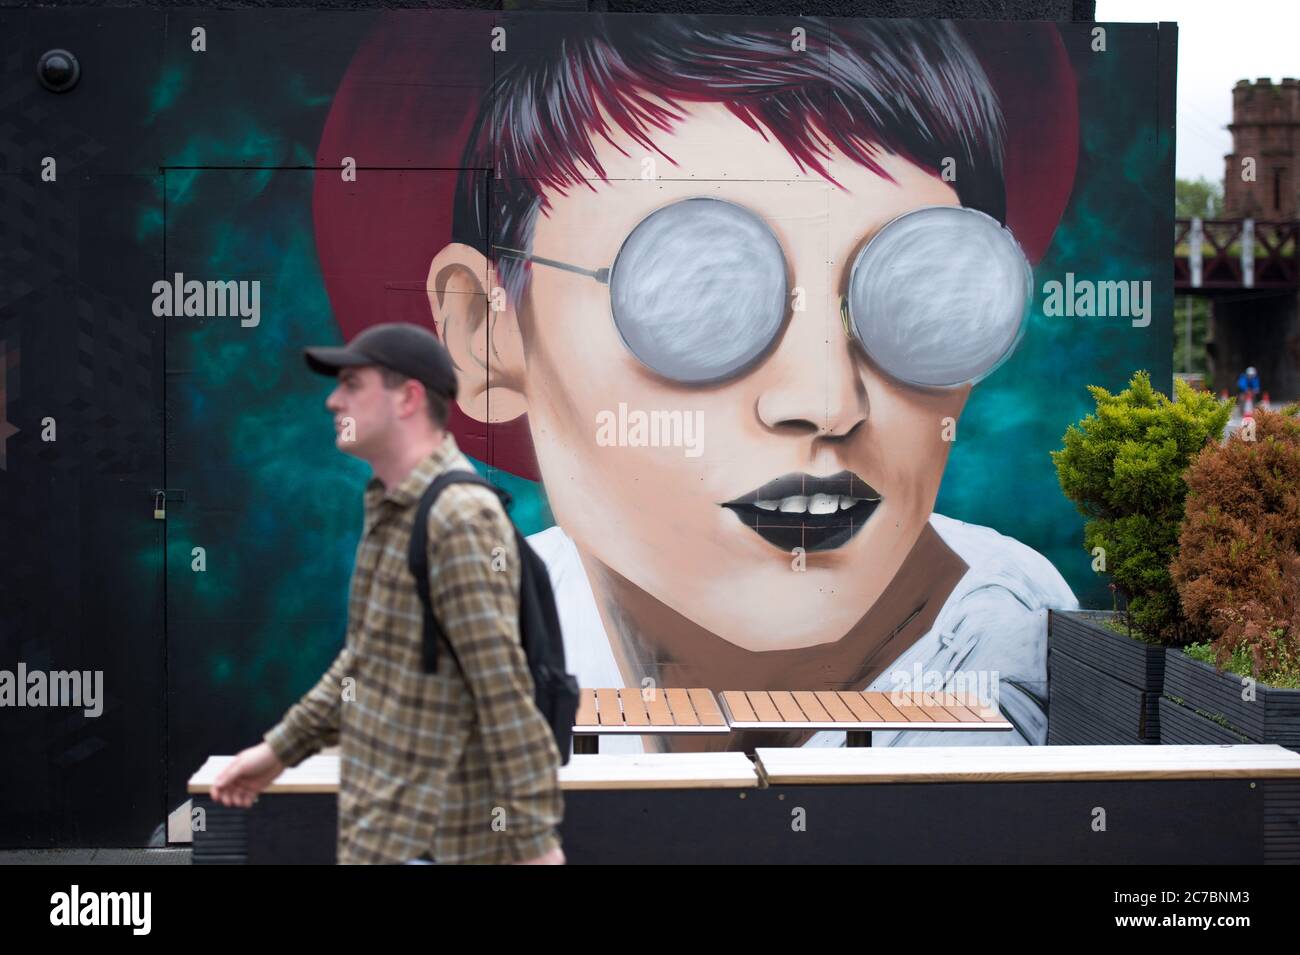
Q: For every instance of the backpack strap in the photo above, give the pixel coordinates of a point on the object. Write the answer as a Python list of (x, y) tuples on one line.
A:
[(417, 557)]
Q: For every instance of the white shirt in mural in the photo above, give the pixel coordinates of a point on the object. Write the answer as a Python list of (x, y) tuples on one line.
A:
[(995, 619)]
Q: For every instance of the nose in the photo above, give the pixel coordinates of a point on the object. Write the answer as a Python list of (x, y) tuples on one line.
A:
[(333, 404), (812, 382)]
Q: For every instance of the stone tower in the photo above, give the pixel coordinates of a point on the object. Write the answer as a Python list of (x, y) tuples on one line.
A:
[(1260, 329), (1266, 127)]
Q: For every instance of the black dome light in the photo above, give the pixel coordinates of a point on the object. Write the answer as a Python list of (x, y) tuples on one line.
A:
[(58, 70)]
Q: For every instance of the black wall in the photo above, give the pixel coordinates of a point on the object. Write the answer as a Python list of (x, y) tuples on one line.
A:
[(76, 513), (943, 9)]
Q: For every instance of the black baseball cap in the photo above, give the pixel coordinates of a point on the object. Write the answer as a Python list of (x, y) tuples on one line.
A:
[(401, 346)]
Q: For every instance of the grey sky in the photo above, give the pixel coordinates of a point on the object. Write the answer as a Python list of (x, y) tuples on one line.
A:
[(1218, 44)]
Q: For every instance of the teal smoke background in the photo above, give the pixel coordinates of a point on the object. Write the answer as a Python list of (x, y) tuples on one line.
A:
[(999, 472), (277, 509)]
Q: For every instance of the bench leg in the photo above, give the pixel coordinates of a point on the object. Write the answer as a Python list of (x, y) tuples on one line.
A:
[(857, 738), (586, 744)]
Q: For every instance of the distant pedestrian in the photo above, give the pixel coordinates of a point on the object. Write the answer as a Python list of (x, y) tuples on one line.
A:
[(1248, 389)]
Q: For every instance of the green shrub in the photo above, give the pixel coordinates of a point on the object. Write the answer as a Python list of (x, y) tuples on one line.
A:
[(1123, 466)]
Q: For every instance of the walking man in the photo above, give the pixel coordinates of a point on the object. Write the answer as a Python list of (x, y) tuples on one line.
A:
[(457, 765)]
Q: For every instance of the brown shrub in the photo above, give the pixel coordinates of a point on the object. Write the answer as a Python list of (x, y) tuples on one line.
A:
[(1238, 564)]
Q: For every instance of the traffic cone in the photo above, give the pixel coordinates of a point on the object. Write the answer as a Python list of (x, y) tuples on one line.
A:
[(1264, 402), (1249, 410)]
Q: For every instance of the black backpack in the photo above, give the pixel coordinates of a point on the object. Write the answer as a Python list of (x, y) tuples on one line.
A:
[(556, 692)]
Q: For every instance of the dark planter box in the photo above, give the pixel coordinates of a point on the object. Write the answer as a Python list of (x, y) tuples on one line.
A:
[(1103, 687), (1179, 725), (1215, 699)]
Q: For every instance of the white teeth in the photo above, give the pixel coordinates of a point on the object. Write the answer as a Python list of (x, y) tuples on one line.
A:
[(816, 504), (823, 504)]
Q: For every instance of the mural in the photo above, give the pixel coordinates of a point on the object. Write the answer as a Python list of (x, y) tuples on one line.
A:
[(802, 304), (749, 319)]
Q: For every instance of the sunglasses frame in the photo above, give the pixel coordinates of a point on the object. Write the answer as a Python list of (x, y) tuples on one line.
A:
[(605, 276)]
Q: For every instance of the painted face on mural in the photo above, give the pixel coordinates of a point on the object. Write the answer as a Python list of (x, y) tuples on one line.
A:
[(704, 524)]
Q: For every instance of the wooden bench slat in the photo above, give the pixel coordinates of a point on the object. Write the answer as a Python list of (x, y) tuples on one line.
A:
[(887, 710), (679, 701), (971, 702), (933, 706), (786, 706), (834, 706), (807, 701), (611, 713), (657, 706), (859, 706), (634, 711), (706, 707), (586, 708), (963, 713), (763, 706), (905, 703), (738, 705), (954, 706)]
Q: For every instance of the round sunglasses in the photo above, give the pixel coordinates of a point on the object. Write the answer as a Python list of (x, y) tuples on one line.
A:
[(937, 298)]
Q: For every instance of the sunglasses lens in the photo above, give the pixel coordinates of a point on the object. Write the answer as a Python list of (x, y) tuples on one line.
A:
[(939, 296), (699, 290)]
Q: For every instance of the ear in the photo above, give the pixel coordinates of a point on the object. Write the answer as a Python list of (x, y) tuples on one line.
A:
[(484, 343)]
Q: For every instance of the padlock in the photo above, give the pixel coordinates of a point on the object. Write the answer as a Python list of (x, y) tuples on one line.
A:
[(160, 506)]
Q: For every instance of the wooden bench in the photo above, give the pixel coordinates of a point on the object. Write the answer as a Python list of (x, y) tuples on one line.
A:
[(315, 774), (947, 764), (893, 804), (320, 774), (632, 710), (1037, 804), (616, 800), (857, 713)]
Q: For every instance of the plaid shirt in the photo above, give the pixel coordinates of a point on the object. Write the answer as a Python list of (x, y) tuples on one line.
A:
[(459, 763)]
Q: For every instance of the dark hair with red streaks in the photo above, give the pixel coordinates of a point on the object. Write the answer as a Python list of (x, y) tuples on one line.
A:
[(913, 88)]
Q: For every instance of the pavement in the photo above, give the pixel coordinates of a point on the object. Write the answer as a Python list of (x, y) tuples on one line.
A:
[(168, 856)]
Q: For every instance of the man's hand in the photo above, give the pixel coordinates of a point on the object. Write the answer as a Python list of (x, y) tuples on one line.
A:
[(554, 857), (247, 775)]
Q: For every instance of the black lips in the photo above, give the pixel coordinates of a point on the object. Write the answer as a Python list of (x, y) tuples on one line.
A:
[(812, 532)]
